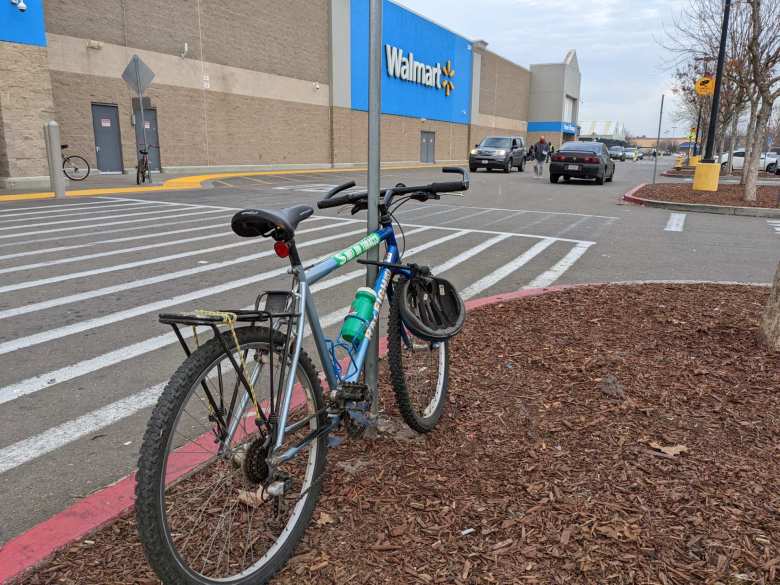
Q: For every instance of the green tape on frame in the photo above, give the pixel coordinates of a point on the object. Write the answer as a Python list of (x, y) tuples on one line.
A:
[(356, 249)]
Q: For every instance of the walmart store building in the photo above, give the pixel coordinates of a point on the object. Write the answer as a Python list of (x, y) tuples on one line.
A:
[(258, 83)]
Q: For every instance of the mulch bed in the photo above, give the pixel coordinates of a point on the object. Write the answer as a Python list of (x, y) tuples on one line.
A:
[(618, 434), (768, 196)]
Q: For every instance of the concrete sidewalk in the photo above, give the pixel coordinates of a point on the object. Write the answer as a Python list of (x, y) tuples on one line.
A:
[(99, 184)]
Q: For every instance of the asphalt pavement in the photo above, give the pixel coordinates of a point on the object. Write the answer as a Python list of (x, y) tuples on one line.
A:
[(83, 358)]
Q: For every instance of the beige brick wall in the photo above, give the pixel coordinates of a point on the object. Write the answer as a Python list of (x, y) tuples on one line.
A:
[(250, 34), (241, 129), (25, 106), (400, 138), (504, 87)]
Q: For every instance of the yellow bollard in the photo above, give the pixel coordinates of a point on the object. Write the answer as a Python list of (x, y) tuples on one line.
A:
[(695, 160), (706, 177)]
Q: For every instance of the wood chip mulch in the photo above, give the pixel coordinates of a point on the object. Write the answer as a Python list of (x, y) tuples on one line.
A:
[(618, 434), (768, 195)]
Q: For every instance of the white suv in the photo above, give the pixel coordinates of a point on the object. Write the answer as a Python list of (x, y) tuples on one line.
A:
[(768, 162)]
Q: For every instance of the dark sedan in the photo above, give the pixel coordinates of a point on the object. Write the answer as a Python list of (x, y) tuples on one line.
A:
[(582, 160)]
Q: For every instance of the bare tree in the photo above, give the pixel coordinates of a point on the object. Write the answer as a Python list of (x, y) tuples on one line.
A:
[(770, 325)]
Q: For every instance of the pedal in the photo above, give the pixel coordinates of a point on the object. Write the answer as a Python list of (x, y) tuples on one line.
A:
[(352, 392)]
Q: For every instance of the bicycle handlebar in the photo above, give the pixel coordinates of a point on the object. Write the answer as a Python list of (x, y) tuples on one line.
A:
[(388, 194)]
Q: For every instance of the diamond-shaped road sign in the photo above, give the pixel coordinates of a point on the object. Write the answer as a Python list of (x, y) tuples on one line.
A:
[(137, 75)]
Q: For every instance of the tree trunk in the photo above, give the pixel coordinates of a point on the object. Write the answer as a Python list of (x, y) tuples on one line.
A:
[(770, 326), (750, 132), (751, 180)]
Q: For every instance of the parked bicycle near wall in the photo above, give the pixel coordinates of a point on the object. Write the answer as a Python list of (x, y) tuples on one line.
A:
[(231, 464), (143, 172), (75, 167)]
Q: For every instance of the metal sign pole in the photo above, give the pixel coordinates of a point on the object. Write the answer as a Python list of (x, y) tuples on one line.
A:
[(658, 140), (374, 112), (140, 100)]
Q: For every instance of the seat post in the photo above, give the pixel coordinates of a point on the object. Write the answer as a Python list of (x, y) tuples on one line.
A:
[(295, 259)]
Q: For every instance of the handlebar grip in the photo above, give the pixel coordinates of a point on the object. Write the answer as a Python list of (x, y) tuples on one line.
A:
[(326, 203), (448, 187), (341, 187)]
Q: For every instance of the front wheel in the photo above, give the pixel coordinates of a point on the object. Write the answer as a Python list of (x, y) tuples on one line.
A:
[(204, 516), (553, 178), (139, 174), (521, 168), (75, 167), (419, 373), (508, 166)]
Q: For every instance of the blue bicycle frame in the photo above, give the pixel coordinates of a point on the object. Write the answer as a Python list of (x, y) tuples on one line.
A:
[(306, 278)]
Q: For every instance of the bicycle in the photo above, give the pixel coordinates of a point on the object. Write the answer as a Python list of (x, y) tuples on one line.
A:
[(75, 167), (143, 171), (232, 461)]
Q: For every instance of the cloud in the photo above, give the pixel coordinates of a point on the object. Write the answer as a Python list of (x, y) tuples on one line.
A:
[(624, 70)]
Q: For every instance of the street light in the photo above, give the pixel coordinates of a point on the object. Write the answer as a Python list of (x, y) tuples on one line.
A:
[(20, 5)]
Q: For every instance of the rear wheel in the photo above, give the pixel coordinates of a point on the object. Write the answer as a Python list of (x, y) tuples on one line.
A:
[(76, 168), (600, 178), (472, 168), (508, 166), (419, 372), (139, 173), (203, 514), (566, 178), (521, 168)]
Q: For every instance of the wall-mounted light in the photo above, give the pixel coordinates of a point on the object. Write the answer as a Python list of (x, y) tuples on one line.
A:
[(20, 5)]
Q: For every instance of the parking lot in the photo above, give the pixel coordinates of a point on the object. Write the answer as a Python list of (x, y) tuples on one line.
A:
[(82, 357)]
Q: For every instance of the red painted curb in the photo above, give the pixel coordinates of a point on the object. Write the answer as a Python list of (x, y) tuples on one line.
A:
[(98, 509), (629, 195)]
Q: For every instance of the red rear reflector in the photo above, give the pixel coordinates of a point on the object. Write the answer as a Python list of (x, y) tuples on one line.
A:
[(282, 249)]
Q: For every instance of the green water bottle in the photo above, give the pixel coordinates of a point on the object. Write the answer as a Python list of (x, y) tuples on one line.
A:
[(360, 314)]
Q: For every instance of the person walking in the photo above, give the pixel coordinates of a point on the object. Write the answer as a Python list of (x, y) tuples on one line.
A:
[(541, 149)]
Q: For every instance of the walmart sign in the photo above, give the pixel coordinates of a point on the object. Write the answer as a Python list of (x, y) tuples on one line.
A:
[(408, 69), (426, 69)]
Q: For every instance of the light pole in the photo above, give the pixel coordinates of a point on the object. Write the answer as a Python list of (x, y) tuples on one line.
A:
[(708, 172)]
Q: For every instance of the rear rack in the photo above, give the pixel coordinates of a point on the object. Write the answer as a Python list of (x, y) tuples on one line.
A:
[(276, 313)]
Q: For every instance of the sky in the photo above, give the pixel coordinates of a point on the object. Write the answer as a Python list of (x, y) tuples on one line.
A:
[(624, 69)]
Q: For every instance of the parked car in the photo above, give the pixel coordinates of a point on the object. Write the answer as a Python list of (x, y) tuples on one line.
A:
[(768, 163), (498, 152), (631, 153), (582, 160), (616, 152)]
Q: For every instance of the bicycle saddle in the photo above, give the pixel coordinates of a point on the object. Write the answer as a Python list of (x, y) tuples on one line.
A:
[(143, 151), (63, 146), (277, 223)]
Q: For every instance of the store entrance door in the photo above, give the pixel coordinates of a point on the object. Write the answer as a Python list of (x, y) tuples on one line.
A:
[(427, 147)]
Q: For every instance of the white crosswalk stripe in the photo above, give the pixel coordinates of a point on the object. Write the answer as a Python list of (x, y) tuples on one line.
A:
[(116, 334), (774, 224)]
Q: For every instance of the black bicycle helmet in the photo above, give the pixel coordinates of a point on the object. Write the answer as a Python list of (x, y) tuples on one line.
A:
[(430, 307)]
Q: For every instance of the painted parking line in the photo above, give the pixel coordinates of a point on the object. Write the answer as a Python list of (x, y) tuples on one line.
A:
[(12, 210), (83, 235), (676, 222), (51, 213), (93, 218), (524, 211), (132, 249), (470, 253), (548, 277), (81, 228), (133, 284), (501, 273), (111, 241), (60, 332)]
